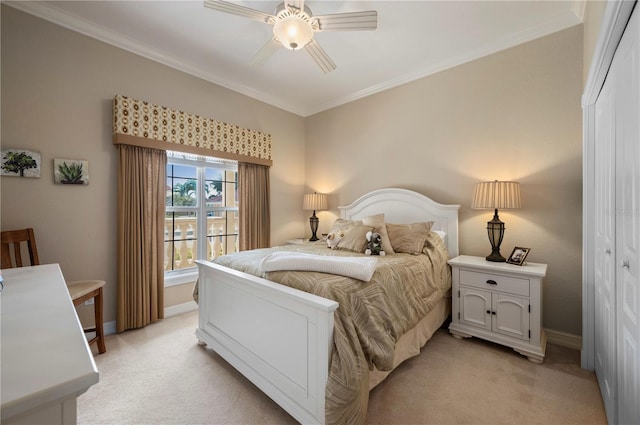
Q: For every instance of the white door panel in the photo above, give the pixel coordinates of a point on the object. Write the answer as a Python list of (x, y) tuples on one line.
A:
[(604, 233), (627, 65)]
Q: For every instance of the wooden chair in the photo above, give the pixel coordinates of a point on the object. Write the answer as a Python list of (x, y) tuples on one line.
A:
[(12, 248), (81, 291)]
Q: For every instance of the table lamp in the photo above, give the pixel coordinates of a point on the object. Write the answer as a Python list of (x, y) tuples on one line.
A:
[(315, 202), (496, 195)]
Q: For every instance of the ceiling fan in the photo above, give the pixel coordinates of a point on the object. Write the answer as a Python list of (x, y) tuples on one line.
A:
[(294, 25)]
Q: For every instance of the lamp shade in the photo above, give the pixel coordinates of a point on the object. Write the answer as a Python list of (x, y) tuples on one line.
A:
[(315, 202), (496, 195)]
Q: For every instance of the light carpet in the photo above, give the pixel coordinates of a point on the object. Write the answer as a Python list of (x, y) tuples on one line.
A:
[(160, 375)]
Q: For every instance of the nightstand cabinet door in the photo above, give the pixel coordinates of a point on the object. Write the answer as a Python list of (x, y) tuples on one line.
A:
[(475, 307), (499, 302), (511, 316)]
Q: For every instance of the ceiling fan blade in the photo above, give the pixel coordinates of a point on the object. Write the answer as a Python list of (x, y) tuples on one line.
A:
[(265, 52), (234, 9), (351, 21), (320, 56)]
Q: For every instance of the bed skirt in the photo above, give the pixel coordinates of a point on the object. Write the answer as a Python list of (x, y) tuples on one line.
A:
[(411, 342)]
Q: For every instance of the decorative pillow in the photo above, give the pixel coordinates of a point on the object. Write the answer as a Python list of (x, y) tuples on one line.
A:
[(377, 221), (341, 224), (354, 234), (409, 238)]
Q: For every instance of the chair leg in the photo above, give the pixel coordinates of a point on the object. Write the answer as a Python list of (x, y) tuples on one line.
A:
[(99, 322)]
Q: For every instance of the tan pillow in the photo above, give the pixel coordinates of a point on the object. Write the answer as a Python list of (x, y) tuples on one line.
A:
[(409, 238), (355, 234), (377, 222), (341, 224), (355, 238)]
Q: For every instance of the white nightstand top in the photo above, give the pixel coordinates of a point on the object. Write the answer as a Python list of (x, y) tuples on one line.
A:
[(297, 241), (535, 269)]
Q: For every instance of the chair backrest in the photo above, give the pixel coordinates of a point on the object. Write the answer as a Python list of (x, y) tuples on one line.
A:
[(12, 242)]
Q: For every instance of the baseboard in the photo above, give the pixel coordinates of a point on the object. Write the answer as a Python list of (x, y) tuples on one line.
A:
[(109, 327), (174, 310), (564, 339)]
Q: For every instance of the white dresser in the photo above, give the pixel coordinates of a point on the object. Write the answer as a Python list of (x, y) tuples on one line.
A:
[(46, 361), (499, 302)]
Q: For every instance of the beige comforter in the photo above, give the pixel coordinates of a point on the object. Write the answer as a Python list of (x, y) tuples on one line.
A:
[(371, 316)]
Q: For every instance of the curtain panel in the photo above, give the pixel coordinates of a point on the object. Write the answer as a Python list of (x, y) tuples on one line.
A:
[(141, 210), (254, 210)]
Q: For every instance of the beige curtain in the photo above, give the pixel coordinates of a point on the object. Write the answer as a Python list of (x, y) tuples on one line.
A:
[(141, 206), (254, 210)]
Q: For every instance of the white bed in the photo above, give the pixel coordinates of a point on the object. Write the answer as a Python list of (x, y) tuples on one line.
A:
[(281, 338)]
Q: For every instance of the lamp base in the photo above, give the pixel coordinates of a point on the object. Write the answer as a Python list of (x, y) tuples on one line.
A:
[(495, 257), (313, 222), (495, 229)]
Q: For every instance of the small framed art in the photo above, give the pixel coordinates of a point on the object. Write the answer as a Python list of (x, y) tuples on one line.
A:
[(20, 163), (70, 171), (518, 255)]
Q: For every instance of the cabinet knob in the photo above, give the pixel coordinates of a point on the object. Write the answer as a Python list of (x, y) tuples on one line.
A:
[(492, 282), (488, 311), (607, 251), (625, 264)]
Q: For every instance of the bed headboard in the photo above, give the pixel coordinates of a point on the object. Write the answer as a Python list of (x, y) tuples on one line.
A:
[(402, 206)]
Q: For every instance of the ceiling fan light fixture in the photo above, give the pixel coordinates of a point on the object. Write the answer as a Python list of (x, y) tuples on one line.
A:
[(293, 32)]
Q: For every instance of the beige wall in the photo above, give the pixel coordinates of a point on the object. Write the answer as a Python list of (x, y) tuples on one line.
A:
[(592, 20), (514, 115), (57, 92)]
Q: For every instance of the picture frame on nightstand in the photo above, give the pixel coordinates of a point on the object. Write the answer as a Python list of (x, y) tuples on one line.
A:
[(518, 255)]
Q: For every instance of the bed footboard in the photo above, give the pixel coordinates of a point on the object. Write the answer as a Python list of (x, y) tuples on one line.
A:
[(278, 337)]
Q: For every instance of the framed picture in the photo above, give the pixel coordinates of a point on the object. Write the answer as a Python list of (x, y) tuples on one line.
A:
[(70, 171), (518, 255), (20, 163)]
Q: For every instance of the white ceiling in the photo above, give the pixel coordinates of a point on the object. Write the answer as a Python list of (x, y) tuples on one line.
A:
[(413, 39)]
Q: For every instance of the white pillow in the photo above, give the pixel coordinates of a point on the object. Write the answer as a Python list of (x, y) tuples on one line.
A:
[(441, 233)]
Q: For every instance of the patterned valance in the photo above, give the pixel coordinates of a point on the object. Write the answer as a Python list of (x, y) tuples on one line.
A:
[(140, 123)]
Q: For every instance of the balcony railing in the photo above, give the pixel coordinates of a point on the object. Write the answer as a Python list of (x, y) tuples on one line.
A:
[(222, 238)]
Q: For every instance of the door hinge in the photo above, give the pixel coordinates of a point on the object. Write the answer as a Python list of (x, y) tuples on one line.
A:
[(458, 293), (529, 333), (529, 308), (458, 315)]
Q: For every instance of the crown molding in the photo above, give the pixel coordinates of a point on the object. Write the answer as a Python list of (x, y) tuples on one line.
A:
[(560, 23), (48, 12)]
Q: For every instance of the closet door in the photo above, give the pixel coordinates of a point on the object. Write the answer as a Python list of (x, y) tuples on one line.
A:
[(627, 64), (604, 233)]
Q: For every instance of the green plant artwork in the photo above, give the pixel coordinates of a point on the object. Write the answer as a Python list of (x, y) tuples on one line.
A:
[(20, 163), (71, 171)]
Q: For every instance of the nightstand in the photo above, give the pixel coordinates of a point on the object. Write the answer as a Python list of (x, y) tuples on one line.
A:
[(303, 241), (499, 302)]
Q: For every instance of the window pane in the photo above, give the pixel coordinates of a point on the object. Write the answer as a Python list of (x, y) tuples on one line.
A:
[(222, 233), (213, 187), (180, 236), (221, 188), (182, 185)]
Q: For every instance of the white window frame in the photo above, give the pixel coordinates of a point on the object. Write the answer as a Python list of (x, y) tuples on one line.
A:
[(179, 277)]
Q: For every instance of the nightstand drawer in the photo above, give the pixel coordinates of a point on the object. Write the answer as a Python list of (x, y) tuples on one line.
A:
[(495, 282)]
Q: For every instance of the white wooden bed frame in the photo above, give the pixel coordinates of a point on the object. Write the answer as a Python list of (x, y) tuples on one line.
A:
[(281, 338)]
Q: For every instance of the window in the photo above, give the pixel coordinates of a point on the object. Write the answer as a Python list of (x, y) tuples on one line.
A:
[(201, 221)]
